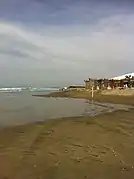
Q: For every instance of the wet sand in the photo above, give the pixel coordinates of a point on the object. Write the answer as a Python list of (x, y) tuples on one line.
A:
[(98, 96), (81, 147)]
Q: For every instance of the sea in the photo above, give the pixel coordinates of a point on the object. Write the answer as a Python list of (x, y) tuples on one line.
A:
[(18, 106)]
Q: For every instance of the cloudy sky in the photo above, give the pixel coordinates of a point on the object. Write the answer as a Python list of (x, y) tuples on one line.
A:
[(59, 42)]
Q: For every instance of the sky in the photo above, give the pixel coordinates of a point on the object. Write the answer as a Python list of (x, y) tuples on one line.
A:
[(62, 42)]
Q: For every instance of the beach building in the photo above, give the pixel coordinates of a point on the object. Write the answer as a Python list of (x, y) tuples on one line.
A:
[(122, 81), (122, 77)]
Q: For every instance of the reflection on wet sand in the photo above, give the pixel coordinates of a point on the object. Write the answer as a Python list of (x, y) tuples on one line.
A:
[(95, 108)]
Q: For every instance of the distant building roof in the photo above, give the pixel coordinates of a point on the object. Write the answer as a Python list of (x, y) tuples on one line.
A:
[(122, 76)]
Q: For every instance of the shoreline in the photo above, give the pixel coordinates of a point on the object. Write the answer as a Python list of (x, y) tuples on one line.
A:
[(52, 148), (98, 97)]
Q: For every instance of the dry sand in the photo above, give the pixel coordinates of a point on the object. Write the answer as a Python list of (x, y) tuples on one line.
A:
[(99, 147), (122, 92), (100, 96)]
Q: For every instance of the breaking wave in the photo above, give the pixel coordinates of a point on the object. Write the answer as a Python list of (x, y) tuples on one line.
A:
[(30, 89)]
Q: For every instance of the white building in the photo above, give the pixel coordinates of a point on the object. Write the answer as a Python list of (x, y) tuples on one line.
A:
[(122, 76)]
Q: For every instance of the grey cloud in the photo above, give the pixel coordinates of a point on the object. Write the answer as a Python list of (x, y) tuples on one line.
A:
[(97, 42), (61, 12)]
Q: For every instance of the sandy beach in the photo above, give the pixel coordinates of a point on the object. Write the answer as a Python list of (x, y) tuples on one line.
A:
[(66, 89), (81, 147), (111, 96)]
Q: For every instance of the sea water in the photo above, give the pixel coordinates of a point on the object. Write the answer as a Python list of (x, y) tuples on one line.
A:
[(20, 107)]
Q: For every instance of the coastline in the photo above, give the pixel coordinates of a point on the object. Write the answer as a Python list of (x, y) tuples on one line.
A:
[(51, 149), (99, 96)]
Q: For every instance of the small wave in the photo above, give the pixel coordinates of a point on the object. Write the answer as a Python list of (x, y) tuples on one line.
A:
[(10, 89), (30, 89)]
